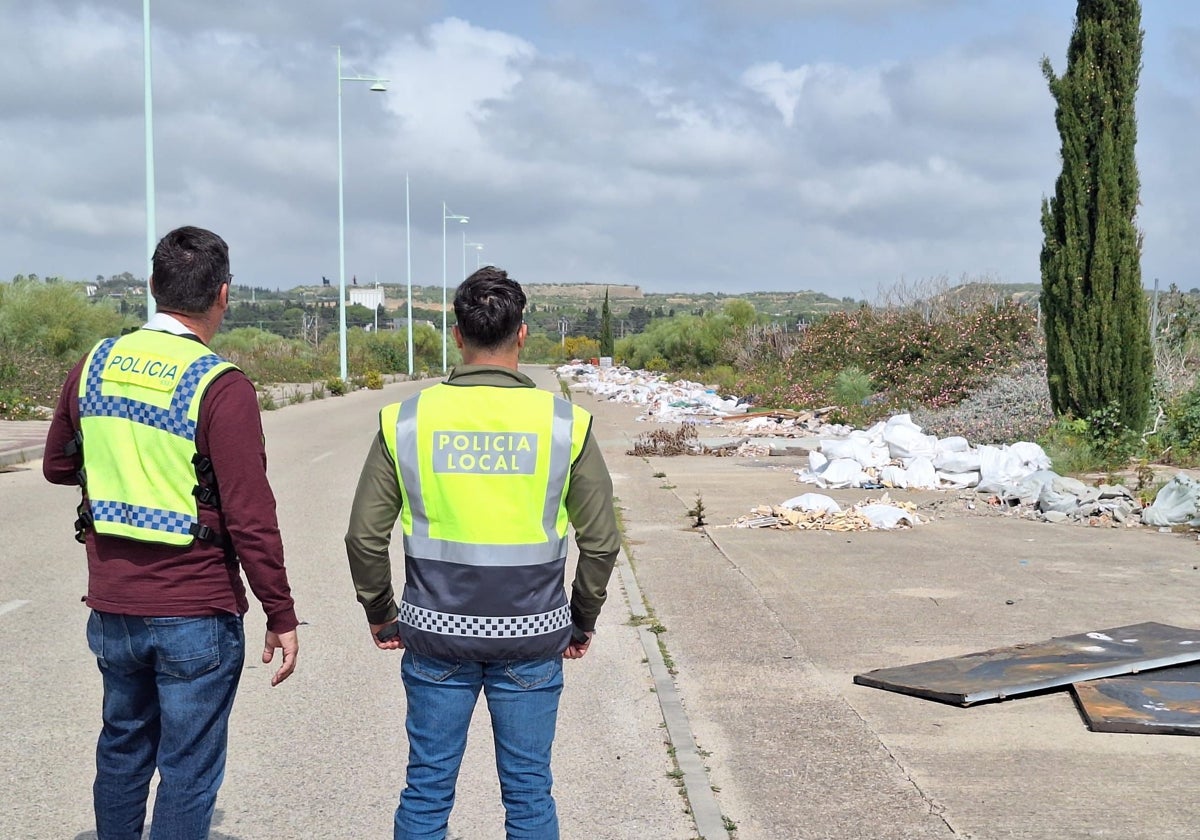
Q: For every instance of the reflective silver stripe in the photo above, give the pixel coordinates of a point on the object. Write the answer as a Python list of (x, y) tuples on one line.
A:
[(473, 554), (410, 469), (560, 465), (494, 626)]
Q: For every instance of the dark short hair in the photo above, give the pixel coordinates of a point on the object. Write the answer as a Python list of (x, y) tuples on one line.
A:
[(189, 266), (489, 308)]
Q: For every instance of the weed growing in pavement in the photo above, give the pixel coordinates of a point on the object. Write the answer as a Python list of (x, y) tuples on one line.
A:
[(697, 512)]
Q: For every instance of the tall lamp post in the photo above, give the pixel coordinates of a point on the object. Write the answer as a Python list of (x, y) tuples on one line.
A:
[(447, 216), (478, 246), (376, 85), (149, 109), (408, 260)]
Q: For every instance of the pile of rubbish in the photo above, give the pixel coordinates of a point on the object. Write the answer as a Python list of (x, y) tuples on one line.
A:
[(892, 454), (817, 512), (683, 401)]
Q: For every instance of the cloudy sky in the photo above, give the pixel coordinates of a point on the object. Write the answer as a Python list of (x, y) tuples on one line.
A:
[(681, 145)]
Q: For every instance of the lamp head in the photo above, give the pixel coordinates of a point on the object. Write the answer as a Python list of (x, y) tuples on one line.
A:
[(462, 220), (379, 87)]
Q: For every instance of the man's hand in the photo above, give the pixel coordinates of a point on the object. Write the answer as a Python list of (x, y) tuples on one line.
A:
[(392, 640), (576, 650), (289, 643)]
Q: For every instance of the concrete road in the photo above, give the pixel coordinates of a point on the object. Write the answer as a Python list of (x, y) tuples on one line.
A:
[(321, 756), (765, 630)]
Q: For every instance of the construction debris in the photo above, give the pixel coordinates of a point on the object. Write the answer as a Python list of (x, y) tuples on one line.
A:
[(892, 454), (1006, 672), (813, 512)]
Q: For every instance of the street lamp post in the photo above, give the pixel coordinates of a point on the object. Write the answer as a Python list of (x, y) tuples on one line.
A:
[(478, 246), (446, 216), (148, 99), (408, 259), (377, 84)]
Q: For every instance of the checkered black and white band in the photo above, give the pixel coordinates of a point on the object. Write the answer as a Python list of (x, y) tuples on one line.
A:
[(493, 626)]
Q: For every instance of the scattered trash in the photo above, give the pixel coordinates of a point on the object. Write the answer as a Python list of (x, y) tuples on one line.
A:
[(815, 512), (894, 454)]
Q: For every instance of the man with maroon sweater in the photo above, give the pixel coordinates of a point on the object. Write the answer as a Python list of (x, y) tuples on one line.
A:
[(166, 440)]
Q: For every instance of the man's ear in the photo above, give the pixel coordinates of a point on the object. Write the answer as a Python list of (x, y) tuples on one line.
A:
[(522, 335), (223, 296), (458, 342)]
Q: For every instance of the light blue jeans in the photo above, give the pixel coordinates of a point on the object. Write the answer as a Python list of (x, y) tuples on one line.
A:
[(169, 685), (522, 698)]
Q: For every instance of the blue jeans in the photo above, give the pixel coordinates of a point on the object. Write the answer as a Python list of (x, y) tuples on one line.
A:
[(169, 685), (522, 698)]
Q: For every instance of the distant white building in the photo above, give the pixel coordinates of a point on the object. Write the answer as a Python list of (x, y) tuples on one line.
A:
[(372, 298)]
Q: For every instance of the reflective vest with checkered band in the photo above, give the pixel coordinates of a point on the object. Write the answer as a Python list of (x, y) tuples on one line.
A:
[(484, 473), (139, 405)]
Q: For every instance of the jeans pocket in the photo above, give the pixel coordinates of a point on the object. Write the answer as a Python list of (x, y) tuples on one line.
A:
[(534, 673), (186, 647), (433, 668), (95, 637)]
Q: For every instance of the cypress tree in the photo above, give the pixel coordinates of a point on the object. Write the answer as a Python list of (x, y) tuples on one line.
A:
[(1093, 304), (606, 336)]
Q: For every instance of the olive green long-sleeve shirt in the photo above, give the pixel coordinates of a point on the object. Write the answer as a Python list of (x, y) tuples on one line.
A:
[(377, 504)]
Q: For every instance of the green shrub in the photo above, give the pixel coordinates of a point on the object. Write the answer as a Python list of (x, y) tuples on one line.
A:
[(57, 319), (336, 386), (851, 386), (266, 401), (374, 380), (1178, 441), (1110, 439)]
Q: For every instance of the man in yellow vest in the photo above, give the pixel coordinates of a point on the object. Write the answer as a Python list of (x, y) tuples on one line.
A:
[(164, 438), (485, 472)]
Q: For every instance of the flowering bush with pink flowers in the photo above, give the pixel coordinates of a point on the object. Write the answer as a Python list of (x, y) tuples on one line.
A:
[(913, 362)]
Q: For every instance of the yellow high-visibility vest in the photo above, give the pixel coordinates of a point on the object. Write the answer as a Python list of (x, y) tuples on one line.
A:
[(139, 405), (483, 474)]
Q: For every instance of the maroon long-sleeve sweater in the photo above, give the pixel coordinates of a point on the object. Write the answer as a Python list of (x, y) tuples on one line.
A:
[(136, 578)]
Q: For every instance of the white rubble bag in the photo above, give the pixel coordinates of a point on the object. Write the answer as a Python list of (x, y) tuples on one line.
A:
[(842, 472), (1177, 503), (886, 517), (922, 475), (812, 503)]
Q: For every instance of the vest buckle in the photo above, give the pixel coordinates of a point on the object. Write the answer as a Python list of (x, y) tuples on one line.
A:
[(207, 496), (203, 532)]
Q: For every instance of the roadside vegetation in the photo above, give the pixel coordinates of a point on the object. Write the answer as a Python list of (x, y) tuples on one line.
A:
[(964, 359)]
